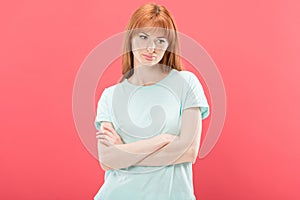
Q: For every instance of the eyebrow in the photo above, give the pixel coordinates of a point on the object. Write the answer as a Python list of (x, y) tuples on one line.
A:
[(157, 37)]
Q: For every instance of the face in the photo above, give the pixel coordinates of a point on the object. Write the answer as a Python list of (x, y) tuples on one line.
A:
[(148, 46)]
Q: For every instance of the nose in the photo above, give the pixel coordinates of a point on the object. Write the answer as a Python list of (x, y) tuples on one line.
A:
[(151, 46)]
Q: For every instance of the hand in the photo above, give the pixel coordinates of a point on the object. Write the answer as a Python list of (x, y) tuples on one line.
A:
[(108, 136)]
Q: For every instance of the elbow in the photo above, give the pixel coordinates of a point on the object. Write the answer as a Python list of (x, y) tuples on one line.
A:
[(193, 154), (102, 158), (194, 159), (104, 167), (103, 163)]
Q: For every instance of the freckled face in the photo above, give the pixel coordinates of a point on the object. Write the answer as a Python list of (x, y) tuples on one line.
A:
[(148, 47)]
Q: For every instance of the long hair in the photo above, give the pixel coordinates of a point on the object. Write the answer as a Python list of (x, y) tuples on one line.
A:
[(154, 16)]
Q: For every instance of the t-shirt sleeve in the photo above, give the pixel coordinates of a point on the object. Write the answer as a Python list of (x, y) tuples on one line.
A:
[(103, 110), (195, 96)]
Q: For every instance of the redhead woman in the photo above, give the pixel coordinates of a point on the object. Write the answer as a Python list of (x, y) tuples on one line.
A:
[(149, 124)]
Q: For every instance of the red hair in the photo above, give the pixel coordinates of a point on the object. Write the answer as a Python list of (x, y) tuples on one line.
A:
[(152, 15)]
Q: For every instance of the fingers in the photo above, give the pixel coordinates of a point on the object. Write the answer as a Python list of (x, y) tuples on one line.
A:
[(107, 132), (107, 137), (111, 129), (106, 140), (104, 137)]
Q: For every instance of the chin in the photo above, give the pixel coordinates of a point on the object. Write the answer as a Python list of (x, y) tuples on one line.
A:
[(147, 62)]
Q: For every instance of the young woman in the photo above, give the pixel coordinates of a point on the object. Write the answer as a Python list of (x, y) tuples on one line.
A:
[(150, 122)]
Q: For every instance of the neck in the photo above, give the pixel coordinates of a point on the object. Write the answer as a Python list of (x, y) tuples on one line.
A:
[(146, 75)]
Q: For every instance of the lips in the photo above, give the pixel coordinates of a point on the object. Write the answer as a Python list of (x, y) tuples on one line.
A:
[(148, 57)]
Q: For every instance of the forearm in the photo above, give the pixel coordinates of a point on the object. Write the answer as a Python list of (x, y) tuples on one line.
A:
[(184, 148), (125, 155), (175, 152)]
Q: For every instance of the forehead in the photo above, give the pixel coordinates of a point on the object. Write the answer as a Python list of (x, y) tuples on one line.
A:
[(153, 31)]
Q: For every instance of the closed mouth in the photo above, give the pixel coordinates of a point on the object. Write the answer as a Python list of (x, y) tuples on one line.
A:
[(148, 57)]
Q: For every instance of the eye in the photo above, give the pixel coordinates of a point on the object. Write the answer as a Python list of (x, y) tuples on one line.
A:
[(161, 41), (143, 37)]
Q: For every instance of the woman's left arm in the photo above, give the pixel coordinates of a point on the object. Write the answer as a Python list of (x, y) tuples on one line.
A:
[(183, 148)]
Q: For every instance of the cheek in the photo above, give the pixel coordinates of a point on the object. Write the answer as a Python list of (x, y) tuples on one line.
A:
[(136, 46), (160, 53), (135, 54)]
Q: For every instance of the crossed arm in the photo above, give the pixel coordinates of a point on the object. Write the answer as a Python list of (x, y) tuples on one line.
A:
[(163, 149)]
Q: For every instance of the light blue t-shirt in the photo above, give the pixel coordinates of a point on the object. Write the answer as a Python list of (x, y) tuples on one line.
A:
[(141, 112)]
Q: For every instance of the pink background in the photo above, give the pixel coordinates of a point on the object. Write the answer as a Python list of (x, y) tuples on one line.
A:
[(253, 43)]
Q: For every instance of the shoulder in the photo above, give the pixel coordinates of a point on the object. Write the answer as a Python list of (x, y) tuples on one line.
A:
[(188, 76), (106, 94), (185, 72), (109, 90)]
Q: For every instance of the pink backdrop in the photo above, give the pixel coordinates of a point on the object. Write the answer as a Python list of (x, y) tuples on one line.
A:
[(253, 43)]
